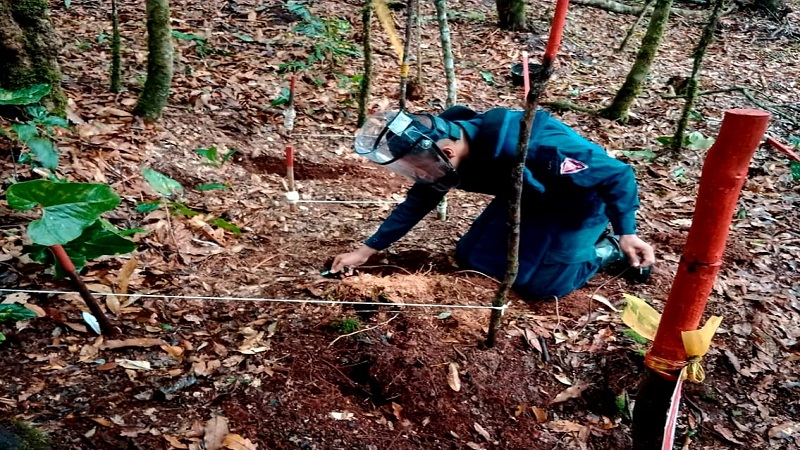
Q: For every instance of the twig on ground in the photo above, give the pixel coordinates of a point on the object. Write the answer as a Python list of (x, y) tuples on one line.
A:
[(364, 330)]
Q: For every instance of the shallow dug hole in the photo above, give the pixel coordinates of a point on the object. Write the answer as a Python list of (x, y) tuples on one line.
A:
[(304, 169)]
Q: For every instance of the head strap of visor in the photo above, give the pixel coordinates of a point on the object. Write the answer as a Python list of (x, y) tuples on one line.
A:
[(439, 129)]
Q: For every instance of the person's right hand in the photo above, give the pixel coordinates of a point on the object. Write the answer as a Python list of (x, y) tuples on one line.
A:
[(352, 259)]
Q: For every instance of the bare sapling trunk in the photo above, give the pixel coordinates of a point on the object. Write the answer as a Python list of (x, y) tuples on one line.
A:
[(450, 74), (116, 50), (406, 48), (29, 49), (621, 105), (691, 87), (366, 79), (538, 83), (635, 25), (154, 97)]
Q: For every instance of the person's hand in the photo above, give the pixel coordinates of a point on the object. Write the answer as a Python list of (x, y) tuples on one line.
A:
[(638, 252), (352, 259)]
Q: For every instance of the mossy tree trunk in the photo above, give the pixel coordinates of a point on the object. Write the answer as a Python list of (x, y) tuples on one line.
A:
[(159, 61), (29, 49), (511, 14), (366, 79), (621, 105)]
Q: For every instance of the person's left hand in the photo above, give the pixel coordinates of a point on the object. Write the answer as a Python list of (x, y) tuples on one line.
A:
[(638, 252)]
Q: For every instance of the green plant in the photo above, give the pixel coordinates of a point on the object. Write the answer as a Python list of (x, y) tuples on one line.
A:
[(328, 34), (168, 188), (347, 325), (693, 141), (13, 312), (19, 435), (201, 45), (213, 156), (35, 134), (70, 217)]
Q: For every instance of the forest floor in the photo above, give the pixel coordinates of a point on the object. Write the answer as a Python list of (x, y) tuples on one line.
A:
[(194, 373)]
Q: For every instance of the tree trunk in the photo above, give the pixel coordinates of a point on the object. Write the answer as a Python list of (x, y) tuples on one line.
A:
[(366, 79), (116, 51), (406, 47), (29, 50), (618, 109), (159, 61), (691, 90), (511, 14)]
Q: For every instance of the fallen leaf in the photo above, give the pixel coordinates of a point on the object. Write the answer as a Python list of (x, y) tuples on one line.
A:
[(134, 342), (540, 414), (571, 392), (453, 379), (214, 432), (174, 442), (37, 386), (474, 446), (133, 365), (91, 321), (125, 275), (344, 415), (102, 421), (603, 300), (482, 431), (563, 379), (112, 302), (237, 442), (783, 431), (565, 426)]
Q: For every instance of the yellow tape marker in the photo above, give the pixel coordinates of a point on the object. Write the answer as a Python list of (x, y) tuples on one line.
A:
[(386, 20)]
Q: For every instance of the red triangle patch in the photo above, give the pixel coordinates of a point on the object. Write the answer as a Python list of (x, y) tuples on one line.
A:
[(572, 166)]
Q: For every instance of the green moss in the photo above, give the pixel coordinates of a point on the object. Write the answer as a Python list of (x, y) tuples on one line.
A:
[(28, 9), (18, 435)]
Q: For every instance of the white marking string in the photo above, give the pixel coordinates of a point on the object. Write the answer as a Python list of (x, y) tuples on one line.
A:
[(390, 202), (258, 299)]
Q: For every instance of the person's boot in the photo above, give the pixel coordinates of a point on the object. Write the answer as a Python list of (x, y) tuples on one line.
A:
[(613, 261)]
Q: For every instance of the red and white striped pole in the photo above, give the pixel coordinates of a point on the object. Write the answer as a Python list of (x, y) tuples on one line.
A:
[(292, 196)]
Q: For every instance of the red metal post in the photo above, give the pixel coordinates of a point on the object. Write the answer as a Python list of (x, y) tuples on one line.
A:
[(556, 29), (526, 77), (724, 173)]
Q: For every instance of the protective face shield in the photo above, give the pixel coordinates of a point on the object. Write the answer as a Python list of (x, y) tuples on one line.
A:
[(406, 144)]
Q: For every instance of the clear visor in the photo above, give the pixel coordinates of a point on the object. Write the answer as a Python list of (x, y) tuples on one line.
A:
[(398, 141)]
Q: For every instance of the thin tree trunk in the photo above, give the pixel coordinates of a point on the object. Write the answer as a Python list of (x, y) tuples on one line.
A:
[(511, 14), (691, 88), (366, 79), (635, 25), (159, 61), (29, 49), (116, 51), (621, 8), (406, 48), (620, 106), (450, 73)]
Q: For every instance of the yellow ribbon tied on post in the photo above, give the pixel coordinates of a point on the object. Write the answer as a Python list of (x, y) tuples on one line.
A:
[(643, 319)]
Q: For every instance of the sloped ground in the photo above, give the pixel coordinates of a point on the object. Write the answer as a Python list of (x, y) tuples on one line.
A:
[(280, 375)]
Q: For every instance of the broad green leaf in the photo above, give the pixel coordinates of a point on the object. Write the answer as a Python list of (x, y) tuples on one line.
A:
[(209, 153), (187, 36), (148, 207), (225, 225), (211, 187), (444, 315), (99, 239), (696, 141), (2, 338), (14, 312), (26, 96), (38, 112), (487, 77), (245, 37), (179, 209), (55, 121), (282, 99), (794, 166), (67, 208), (132, 231), (25, 131), (161, 183), (45, 152), (664, 140), (227, 156), (646, 155)]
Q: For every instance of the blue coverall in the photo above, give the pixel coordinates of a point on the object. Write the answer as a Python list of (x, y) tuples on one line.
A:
[(572, 189)]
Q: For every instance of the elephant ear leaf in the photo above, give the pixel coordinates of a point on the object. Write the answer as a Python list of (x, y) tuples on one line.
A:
[(67, 208), (25, 96)]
